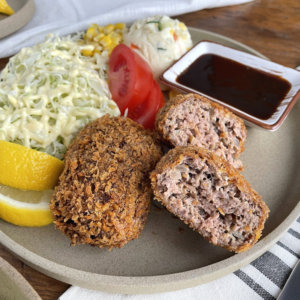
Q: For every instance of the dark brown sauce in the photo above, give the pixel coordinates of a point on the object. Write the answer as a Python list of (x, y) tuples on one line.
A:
[(250, 90)]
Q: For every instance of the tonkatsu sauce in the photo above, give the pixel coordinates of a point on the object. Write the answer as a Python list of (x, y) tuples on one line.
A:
[(250, 90)]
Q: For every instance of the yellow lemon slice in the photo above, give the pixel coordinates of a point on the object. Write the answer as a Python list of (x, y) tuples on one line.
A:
[(25, 208), (5, 8), (27, 169)]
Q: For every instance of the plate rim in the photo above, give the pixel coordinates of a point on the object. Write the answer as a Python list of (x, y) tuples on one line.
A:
[(156, 283), (20, 18), (149, 284), (14, 275)]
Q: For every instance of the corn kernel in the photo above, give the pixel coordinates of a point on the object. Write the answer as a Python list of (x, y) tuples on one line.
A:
[(106, 41), (115, 38), (108, 28), (87, 52), (104, 38), (111, 48), (91, 33), (182, 26), (120, 26), (98, 37), (81, 42), (114, 34), (113, 45), (99, 48), (93, 43), (97, 51), (100, 28)]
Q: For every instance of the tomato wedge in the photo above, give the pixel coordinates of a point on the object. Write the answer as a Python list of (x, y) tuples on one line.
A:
[(145, 113), (129, 77)]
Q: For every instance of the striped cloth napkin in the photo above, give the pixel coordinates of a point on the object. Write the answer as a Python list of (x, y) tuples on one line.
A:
[(262, 279)]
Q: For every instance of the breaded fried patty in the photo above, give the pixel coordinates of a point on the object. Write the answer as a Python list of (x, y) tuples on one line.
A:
[(209, 195), (192, 119), (103, 195)]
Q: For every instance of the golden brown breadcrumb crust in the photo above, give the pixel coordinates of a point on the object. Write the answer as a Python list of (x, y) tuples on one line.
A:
[(170, 105), (177, 154), (103, 195)]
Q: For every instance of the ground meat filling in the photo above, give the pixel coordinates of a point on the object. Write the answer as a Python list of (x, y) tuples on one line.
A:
[(197, 123), (206, 200)]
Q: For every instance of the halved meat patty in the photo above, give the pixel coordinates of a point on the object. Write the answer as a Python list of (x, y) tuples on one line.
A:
[(195, 120), (209, 195)]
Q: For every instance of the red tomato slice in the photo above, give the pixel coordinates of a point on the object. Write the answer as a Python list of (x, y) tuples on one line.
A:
[(129, 77), (145, 113)]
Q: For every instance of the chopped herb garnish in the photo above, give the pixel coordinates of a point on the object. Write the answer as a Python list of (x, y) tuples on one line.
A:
[(17, 141), (17, 119), (60, 139), (163, 49), (38, 148), (159, 25)]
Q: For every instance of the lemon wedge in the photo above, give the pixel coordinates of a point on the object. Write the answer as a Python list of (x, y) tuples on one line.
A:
[(25, 208), (27, 169), (5, 8)]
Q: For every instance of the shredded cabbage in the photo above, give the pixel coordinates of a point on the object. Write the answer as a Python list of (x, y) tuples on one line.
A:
[(49, 92)]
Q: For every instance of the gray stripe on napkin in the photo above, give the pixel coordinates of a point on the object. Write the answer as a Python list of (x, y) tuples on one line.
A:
[(273, 268), (298, 220), (253, 285), (294, 233), (288, 249)]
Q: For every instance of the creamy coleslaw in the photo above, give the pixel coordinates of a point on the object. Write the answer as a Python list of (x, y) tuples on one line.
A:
[(49, 92)]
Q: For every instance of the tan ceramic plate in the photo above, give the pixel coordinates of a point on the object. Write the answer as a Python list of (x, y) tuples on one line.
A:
[(14, 285), (168, 255), (24, 10)]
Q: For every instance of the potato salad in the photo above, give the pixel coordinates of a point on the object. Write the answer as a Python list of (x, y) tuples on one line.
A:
[(160, 40)]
